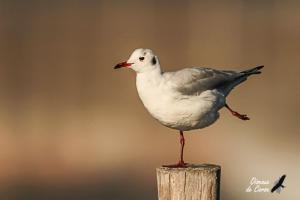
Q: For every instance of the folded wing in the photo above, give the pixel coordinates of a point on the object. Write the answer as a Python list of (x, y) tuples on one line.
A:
[(195, 80)]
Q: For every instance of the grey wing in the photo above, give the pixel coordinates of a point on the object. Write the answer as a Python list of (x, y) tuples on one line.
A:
[(193, 81)]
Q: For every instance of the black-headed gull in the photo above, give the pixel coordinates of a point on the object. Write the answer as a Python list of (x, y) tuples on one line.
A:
[(186, 99)]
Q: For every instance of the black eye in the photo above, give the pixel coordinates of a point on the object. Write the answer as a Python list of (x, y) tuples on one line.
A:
[(141, 58)]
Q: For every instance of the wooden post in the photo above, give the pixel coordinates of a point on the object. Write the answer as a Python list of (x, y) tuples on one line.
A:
[(196, 182)]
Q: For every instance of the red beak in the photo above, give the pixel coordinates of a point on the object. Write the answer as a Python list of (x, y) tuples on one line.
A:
[(123, 64)]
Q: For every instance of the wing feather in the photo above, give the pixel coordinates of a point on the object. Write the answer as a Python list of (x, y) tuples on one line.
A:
[(191, 81)]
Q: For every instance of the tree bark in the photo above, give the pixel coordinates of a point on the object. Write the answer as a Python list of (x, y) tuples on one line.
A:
[(196, 182)]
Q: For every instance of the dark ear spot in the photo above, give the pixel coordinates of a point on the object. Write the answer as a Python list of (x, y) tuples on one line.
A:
[(153, 60)]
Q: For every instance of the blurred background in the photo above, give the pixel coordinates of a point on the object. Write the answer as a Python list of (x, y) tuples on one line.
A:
[(71, 127)]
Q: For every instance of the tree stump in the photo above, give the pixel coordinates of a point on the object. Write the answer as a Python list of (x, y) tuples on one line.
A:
[(196, 182)]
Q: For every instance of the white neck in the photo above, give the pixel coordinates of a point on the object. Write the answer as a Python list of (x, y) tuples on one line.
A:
[(149, 88), (151, 77)]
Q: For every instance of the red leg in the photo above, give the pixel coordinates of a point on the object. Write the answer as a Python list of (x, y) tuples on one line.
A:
[(238, 115), (181, 162), (182, 143)]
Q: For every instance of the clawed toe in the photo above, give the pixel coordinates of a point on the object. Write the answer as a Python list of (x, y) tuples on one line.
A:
[(178, 165), (245, 117), (241, 116)]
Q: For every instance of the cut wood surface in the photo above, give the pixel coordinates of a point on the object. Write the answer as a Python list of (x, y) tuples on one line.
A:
[(196, 182)]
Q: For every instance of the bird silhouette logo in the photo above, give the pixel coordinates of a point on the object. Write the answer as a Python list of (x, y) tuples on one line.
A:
[(278, 184)]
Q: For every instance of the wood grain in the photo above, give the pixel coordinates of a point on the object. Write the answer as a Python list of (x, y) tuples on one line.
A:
[(196, 182)]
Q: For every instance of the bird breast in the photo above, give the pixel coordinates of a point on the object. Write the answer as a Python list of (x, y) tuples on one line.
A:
[(175, 110)]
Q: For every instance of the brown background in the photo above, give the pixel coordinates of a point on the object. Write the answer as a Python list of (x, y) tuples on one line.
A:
[(73, 128)]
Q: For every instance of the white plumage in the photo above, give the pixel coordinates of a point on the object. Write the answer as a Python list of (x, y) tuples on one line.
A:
[(186, 99), (161, 95)]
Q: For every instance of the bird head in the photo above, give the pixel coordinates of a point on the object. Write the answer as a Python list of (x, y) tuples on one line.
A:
[(141, 60)]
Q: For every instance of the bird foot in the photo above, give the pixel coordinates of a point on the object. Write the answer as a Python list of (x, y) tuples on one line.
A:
[(180, 164), (240, 116)]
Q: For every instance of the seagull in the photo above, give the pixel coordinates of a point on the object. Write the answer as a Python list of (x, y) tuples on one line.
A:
[(186, 99)]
